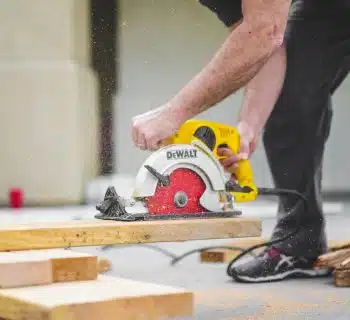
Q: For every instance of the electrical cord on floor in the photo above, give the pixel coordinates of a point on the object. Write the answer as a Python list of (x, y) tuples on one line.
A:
[(276, 192), (153, 247), (167, 253)]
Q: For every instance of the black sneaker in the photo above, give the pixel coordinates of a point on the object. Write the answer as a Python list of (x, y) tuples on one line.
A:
[(272, 265)]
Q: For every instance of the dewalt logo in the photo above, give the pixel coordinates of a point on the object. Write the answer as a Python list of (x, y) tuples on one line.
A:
[(181, 154)]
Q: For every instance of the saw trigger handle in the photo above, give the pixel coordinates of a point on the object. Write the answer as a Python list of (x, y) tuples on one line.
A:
[(244, 189)]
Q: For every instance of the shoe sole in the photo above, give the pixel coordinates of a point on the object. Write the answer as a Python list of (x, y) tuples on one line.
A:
[(302, 273)]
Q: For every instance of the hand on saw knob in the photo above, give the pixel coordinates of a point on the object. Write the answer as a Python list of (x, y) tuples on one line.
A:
[(248, 144), (151, 128)]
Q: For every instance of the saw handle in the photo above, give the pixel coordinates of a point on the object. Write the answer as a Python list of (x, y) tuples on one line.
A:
[(246, 189)]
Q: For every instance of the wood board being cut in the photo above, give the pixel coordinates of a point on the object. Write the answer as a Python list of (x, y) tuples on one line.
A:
[(79, 233), (106, 298), (39, 267), (223, 255)]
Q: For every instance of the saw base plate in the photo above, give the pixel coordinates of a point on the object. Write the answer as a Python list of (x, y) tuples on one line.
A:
[(177, 216), (113, 208)]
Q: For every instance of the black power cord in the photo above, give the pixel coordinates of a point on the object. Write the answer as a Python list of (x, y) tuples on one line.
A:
[(145, 245), (169, 254)]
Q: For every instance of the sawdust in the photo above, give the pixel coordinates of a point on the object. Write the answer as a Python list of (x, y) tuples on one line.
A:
[(222, 298), (332, 298)]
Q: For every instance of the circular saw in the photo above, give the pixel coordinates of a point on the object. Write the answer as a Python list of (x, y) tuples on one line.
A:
[(183, 179)]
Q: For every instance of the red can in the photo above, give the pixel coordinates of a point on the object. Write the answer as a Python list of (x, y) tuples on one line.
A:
[(16, 198)]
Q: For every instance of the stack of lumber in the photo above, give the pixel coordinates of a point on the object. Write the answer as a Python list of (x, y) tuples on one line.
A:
[(41, 279), (339, 260), (66, 285)]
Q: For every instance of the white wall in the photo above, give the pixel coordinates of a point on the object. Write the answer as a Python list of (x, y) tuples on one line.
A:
[(163, 44)]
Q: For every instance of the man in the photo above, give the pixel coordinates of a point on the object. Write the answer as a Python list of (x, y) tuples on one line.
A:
[(290, 56)]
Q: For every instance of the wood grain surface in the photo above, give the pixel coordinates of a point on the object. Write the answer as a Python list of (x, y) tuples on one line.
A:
[(98, 232)]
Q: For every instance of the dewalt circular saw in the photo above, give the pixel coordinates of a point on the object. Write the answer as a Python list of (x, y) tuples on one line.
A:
[(185, 179)]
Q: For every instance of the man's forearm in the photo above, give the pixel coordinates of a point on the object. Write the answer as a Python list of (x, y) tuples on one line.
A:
[(238, 60), (262, 92), (235, 64)]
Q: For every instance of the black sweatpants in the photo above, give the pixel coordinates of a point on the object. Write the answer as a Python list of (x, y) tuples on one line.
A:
[(317, 41)]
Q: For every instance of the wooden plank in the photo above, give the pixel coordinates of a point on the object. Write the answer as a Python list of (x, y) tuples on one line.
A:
[(99, 232), (342, 277), (105, 298), (346, 263), (333, 259), (35, 267), (226, 255), (338, 244)]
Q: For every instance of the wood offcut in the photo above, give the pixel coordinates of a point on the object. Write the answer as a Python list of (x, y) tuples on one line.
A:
[(339, 260), (80, 233), (224, 255), (104, 298), (39, 267)]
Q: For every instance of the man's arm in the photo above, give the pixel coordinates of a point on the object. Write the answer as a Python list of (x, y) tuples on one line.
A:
[(238, 60), (261, 94)]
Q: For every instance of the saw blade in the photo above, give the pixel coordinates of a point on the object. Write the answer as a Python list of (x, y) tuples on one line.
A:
[(181, 196)]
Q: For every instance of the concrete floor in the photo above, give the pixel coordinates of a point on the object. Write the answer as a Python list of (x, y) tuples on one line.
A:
[(216, 295)]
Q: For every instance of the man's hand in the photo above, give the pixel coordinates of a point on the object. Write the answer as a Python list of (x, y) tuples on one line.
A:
[(150, 129), (248, 144)]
